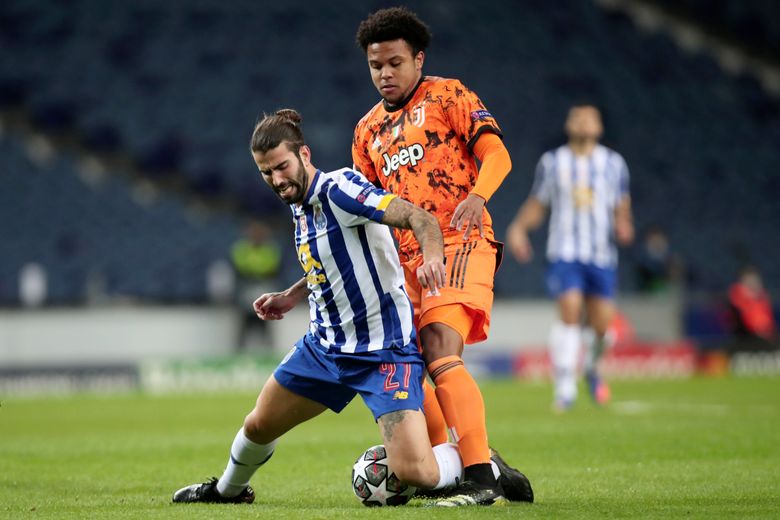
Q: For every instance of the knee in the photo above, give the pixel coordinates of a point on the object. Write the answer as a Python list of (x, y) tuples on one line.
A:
[(600, 330), (600, 324), (416, 474), (439, 341), (255, 429)]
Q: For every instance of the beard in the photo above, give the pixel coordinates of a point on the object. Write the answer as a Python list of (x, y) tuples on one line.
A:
[(293, 191)]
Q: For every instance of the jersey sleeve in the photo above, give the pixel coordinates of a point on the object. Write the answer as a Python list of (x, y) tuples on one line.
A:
[(542, 187), (467, 115), (356, 201), (623, 177), (361, 160)]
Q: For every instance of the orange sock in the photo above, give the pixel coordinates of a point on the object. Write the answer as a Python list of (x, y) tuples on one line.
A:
[(463, 407), (434, 418)]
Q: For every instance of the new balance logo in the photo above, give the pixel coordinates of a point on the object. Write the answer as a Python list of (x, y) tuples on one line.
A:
[(408, 155), (400, 395)]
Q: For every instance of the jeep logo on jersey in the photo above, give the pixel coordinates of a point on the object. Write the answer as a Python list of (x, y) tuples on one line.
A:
[(408, 155)]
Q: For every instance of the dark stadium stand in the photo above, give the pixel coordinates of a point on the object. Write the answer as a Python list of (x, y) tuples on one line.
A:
[(102, 233), (752, 24), (176, 87)]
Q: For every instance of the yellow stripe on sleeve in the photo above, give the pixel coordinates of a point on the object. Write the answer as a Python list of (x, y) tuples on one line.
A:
[(385, 202)]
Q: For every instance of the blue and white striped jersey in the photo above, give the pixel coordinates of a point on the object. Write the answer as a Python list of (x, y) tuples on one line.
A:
[(582, 193), (357, 301)]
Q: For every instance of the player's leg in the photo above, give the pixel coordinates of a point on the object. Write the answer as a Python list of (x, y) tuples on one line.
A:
[(414, 461), (600, 309), (565, 347), (393, 392), (431, 468), (445, 325), (434, 417), (277, 411), (600, 312), (302, 387), (461, 314), (463, 407), (564, 283), (456, 391), (390, 383)]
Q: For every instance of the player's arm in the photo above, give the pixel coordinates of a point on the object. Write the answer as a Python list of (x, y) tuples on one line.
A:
[(273, 306), (405, 215), (529, 217), (624, 222), (495, 166)]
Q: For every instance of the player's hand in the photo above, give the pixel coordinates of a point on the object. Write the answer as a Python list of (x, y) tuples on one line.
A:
[(432, 275), (624, 232), (468, 215), (520, 246), (273, 306)]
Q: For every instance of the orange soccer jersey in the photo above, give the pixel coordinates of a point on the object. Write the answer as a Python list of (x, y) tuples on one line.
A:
[(422, 151)]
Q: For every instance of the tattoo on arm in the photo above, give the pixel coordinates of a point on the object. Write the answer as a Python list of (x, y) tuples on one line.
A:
[(398, 214), (404, 215)]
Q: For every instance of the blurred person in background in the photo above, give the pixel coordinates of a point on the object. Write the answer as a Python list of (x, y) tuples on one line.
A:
[(585, 186), (754, 325), (421, 141), (256, 258), (657, 266)]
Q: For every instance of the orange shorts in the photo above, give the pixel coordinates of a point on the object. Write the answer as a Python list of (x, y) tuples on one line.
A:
[(464, 303)]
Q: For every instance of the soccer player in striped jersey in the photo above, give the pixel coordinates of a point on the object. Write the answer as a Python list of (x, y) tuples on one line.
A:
[(421, 141), (585, 185), (361, 339)]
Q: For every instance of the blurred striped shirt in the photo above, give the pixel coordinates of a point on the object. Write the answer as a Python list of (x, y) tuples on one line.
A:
[(582, 193), (357, 301)]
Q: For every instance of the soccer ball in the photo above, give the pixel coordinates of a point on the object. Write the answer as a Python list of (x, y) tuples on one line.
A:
[(374, 482)]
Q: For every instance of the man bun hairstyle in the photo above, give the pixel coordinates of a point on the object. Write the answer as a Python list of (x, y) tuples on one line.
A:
[(283, 126), (391, 24)]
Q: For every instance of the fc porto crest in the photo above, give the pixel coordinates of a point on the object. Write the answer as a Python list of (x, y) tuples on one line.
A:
[(320, 220)]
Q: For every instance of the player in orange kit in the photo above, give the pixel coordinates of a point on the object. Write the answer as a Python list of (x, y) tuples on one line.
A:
[(421, 142)]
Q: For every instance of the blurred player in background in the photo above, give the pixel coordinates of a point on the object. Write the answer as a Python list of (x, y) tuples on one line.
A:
[(753, 319), (361, 338), (421, 141), (585, 185), (256, 260)]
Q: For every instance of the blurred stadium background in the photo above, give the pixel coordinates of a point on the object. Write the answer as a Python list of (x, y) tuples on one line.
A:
[(126, 187)]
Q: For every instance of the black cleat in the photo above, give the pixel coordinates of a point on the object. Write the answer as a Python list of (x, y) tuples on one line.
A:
[(469, 493), (207, 493), (433, 493), (515, 485)]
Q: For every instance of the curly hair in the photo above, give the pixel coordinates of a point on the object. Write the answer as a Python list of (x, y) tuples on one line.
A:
[(392, 24), (283, 126)]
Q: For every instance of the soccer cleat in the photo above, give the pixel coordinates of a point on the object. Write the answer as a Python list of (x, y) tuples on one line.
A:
[(469, 493), (207, 493), (433, 493), (515, 485), (599, 390)]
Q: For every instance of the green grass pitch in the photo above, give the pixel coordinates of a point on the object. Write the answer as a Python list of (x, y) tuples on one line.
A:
[(699, 448)]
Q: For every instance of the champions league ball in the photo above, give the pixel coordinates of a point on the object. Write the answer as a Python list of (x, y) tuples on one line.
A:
[(374, 482)]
